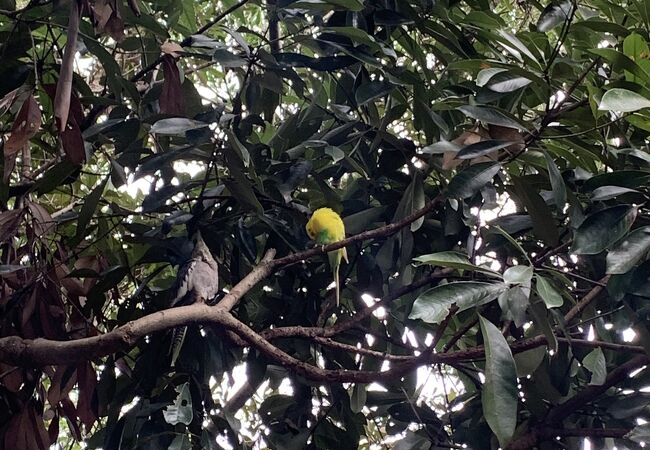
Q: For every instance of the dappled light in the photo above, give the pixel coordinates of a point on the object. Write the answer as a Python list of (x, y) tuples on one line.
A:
[(324, 224)]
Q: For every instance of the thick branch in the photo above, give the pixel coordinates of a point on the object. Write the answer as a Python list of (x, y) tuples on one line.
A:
[(40, 352), (261, 271)]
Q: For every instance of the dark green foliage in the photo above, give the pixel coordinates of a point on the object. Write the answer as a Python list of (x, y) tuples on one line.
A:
[(526, 124)]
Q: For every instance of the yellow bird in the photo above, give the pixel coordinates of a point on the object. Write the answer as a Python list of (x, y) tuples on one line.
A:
[(326, 227)]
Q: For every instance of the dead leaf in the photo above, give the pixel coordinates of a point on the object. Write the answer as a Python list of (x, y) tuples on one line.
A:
[(507, 134), (73, 143), (13, 378), (50, 312), (9, 222), (449, 160), (26, 125), (16, 436), (108, 19), (9, 164), (38, 430), (29, 307), (43, 223), (92, 263), (171, 96), (87, 403), (70, 413), (61, 383), (53, 429), (76, 109), (26, 431), (8, 100), (74, 286), (172, 48), (64, 85)]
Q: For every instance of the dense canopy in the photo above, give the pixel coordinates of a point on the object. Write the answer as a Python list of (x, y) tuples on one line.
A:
[(491, 164)]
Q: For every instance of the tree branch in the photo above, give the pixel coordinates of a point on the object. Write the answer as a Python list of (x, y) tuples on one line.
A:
[(586, 300), (359, 316), (384, 231), (261, 271), (560, 412)]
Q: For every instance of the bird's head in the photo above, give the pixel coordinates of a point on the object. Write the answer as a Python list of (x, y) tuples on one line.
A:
[(310, 230), (201, 250)]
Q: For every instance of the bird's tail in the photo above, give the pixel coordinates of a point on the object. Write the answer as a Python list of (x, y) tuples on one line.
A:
[(337, 284), (178, 337), (335, 258)]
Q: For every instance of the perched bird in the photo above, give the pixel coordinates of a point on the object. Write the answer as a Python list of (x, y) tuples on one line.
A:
[(197, 281), (325, 227)]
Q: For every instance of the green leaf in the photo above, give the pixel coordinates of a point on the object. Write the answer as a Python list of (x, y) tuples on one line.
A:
[(440, 147), (452, 259), (239, 148), (542, 323), (634, 152), (482, 148), (358, 397), (181, 410), (485, 75), (492, 116), (639, 434), (506, 82), (601, 229), (553, 15), (412, 200), (544, 224), (180, 442), (624, 178), (557, 182), (518, 274), (630, 251), (240, 188), (372, 90), (595, 363), (622, 100), (514, 45), (471, 180), (355, 34), (56, 176), (513, 303), (412, 441), (552, 298), (609, 192), (527, 362), (433, 305), (603, 26), (176, 126), (636, 48), (622, 62), (228, 59), (88, 209), (499, 394), (362, 220), (322, 5), (512, 241)]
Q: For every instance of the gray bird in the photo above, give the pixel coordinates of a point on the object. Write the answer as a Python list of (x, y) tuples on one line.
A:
[(197, 281)]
